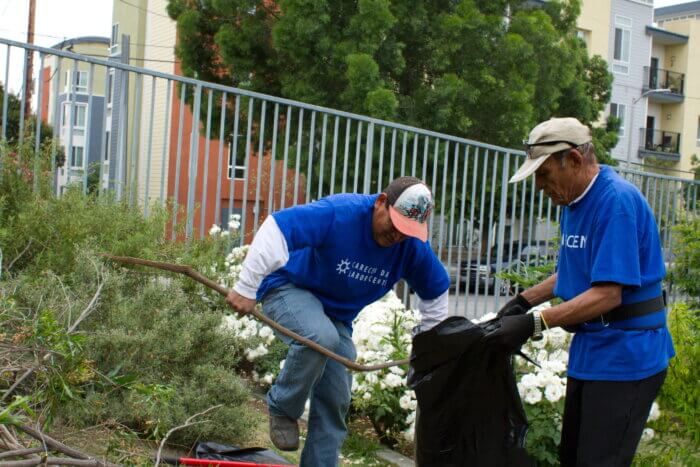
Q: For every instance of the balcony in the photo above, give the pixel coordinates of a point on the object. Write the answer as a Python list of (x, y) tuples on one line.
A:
[(660, 144), (658, 78)]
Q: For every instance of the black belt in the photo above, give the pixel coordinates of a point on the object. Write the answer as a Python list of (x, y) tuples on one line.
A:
[(631, 310)]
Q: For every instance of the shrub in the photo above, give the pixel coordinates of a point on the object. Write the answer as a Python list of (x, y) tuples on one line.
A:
[(685, 271)]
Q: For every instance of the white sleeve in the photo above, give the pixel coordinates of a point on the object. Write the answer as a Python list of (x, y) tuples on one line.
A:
[(432, 311), (267, 253)]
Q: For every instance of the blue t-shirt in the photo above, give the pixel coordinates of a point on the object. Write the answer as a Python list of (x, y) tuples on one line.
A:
[(333, 255), (611, 236)]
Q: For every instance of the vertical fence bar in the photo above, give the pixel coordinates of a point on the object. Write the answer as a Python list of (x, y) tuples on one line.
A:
[(205, 172), (273, 162), (136, 127), (258, 177), (414, 160), (56, 124), (166, 133), (178, 157), (450, 237), (489, 242), (432, 185), (319, 195), (393, 154), (149, 148), (23, 103), (345, 156), (70, 124), (403, 154), (381, 160), (122, 125), (480, 239), (88, 129), (248, 149), (335, 153), (445, 171), (193, 161), (514, 202), (358, 147), (501, 230), (288, 124), (461, 234), (470, 243), (310, 165), (233, 158), (103, 133), (37, 126), (368, 158), (426, 144), (6, 95), (220, 161), (298, 159)]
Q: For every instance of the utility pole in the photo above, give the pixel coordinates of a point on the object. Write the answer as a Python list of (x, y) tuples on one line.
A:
[(30, 59)]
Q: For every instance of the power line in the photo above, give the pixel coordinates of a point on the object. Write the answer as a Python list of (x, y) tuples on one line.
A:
[(145, 9)]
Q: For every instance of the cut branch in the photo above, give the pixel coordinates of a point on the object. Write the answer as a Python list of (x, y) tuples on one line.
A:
[(20, 452), (62, 448), (190, 272), (187, 423), (53, 461)]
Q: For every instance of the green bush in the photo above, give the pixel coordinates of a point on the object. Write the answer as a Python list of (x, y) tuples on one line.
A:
[(685, 271)]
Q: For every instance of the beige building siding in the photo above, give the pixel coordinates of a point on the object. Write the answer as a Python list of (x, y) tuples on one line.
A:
[(160, 32), (594, 24)]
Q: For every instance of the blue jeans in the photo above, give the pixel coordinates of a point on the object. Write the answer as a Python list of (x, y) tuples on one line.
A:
[(309, 375)]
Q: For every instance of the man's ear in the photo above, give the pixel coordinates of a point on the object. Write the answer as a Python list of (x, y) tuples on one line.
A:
[(381, 200), (576, 158)]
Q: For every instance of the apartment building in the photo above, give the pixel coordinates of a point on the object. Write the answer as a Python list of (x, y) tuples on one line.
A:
[(152, 128), (74, 104), (676, 50)]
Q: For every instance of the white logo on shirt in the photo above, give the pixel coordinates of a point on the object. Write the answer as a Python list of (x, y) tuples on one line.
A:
[(343, 266), (574, 241)]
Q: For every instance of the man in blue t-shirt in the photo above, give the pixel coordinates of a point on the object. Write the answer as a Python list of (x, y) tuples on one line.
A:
[(609, 275), (313, 268)]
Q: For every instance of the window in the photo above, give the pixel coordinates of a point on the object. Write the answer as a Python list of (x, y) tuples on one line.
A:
[(619, 110), (238, 170), (114, 40), (584, 35), (110, 88), (80, 81), (108, 137), (76, 157), (621, 54), (79, 117), (698, 135)]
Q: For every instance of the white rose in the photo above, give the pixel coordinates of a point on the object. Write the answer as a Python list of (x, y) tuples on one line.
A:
[(529, 380), (554, 392), (215, 229), (533, 396), (393, 381), (268, 378), (405, 402), (282, 364), (647, 434), (366, 396)]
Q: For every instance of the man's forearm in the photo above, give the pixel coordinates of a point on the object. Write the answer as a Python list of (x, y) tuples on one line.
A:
[(541, 292), (590, 304)]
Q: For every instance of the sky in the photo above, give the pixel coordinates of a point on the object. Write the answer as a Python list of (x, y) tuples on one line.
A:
[(60, 19)]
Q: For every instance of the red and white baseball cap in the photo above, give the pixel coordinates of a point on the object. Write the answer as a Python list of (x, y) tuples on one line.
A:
[(410, 205)]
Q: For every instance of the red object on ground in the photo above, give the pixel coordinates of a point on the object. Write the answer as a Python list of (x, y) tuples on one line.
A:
[(216, 463)]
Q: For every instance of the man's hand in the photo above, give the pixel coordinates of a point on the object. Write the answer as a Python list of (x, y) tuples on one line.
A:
[(517, 306), (240, 303), (513, 333)]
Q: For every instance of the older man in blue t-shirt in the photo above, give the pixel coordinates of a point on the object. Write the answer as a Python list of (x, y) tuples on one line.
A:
[(314, 267), (609, 275)]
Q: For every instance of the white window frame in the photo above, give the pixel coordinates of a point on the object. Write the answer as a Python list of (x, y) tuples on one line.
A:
[(72, 157), (114, 39), (621, 114), (624, 25), (698, 132), (77, 88), (236, 168)]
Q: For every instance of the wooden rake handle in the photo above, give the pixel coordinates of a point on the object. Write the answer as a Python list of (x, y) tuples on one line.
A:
[(189, 271)]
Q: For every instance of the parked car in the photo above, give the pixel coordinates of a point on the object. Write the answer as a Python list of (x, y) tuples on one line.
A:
[(480, 274)]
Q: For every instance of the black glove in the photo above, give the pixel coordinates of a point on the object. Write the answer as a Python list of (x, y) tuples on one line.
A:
[(517, 306), (513, 332)]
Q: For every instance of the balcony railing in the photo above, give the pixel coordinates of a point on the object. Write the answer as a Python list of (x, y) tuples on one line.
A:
[(659, 143), (658, 78)]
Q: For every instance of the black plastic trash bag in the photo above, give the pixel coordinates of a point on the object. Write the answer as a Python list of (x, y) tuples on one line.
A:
[(221, 452), (470, 412)]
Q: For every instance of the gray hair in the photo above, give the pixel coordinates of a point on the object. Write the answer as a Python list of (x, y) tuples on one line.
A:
[(586, 150)]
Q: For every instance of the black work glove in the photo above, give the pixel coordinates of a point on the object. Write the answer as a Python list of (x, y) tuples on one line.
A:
[(517, 306), (513, 332)]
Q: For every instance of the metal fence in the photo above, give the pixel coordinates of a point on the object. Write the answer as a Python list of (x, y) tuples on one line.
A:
[(253, 154)]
